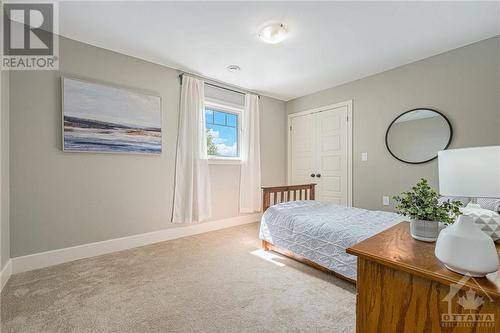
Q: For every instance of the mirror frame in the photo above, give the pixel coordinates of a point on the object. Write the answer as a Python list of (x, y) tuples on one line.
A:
[(421, 162)]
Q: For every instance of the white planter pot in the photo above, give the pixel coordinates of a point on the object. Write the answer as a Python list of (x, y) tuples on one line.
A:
[(426, 231)]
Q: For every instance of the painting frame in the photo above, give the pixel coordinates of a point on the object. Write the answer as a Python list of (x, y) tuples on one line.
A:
[(106, 84)]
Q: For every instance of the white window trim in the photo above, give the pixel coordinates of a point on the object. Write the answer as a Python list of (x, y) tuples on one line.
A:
[(224, 160), (231, 109)]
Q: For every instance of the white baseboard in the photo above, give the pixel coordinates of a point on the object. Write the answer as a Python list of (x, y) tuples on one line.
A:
[(54, 257), (5, 274)]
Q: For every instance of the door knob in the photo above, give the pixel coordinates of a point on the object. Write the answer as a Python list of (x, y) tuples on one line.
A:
[(318, 175), (313, 175)]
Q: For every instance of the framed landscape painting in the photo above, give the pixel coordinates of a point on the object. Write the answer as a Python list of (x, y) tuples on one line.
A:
[(108, 119)]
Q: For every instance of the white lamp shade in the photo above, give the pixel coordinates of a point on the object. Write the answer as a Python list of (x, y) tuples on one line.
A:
[(470, 172)]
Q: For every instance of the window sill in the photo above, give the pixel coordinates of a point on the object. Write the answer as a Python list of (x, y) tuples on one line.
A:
[(227, 161)]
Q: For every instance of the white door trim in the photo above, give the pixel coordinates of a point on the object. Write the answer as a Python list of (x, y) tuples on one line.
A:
[(349, 142)]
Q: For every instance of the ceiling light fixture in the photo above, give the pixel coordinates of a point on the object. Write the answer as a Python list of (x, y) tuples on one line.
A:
[(273, 33), (233, 68)]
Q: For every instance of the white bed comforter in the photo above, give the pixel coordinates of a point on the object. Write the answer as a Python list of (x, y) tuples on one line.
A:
[(321, 231)]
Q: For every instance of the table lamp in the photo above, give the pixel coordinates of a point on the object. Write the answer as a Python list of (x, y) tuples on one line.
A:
[(468, 172)]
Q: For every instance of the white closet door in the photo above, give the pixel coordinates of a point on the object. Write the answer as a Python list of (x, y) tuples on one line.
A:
[(302, 149), (331, 155), (319, 153)]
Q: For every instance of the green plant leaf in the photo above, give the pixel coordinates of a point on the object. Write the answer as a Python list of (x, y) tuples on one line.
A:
[(422, 203)]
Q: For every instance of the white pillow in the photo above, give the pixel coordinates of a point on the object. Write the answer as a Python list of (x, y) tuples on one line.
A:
[(490, 204), (463, 200), (487, 220)]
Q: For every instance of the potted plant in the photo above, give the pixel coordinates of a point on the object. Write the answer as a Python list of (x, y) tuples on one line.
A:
[(422, 206)]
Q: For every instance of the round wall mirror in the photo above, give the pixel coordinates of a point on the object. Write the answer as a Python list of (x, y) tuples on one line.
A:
[(417, 135)]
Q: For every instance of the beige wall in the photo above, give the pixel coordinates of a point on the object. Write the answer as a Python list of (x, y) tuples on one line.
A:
[(464, 84), (4, 169), (65, 199), (273, 149), (273, 158)]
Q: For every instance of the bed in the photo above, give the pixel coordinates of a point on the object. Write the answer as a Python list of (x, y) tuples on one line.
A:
[(317, 233)]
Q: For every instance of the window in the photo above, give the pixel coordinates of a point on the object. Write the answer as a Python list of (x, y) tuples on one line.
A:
[(222, 124)]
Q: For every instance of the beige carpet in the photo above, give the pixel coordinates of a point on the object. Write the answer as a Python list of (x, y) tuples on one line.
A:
[(206, 283)]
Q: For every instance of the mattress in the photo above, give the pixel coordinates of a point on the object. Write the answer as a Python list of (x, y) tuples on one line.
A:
[(322, 231)]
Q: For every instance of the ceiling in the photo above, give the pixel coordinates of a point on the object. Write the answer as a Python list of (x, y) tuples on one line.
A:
[(329, 43)]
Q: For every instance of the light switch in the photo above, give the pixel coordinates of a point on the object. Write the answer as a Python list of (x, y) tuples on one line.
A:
[(364, 157), (385, 200)]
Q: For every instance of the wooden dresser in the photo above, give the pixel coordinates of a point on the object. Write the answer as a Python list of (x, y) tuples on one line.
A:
[(403, 287)]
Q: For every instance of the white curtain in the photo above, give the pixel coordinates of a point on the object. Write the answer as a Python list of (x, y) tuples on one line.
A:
[(250, 191), (192, 199)]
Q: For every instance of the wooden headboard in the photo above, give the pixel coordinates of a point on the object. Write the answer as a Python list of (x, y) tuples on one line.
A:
[(277, 194)]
